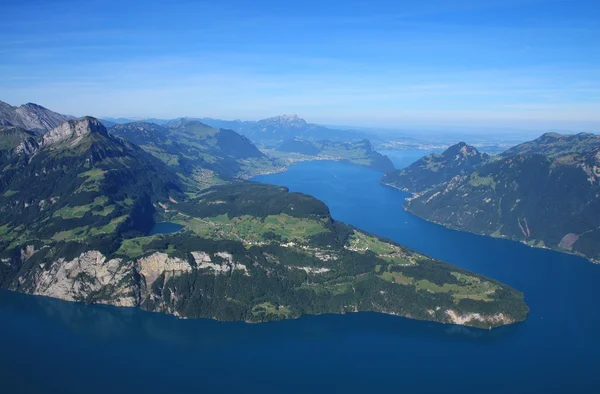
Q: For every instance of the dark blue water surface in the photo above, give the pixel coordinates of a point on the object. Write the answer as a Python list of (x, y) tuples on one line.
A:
[(53, 346), (165, 228)]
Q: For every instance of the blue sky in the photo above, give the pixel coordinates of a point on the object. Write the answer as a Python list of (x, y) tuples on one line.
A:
[(508, 63)]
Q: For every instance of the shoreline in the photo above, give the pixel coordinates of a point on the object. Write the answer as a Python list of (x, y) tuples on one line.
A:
[(405, 208)]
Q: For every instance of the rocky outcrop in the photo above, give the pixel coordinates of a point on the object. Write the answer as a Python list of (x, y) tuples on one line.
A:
[(470, 318), (157, 264), (73, 130), (89, 277), (27, 147), (93, 278), (227, 265)]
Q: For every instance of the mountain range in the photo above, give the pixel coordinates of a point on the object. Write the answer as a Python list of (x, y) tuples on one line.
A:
[(174, 142), (544, 192), (78, 203), (265, 131), (32, 117), (204, 154)]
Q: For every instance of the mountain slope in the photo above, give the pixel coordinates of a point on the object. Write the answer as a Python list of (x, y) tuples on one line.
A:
[(544, 200), (554, 145), (77, 208), (198, 151), (30, 117), (80, 184), (434, 169)]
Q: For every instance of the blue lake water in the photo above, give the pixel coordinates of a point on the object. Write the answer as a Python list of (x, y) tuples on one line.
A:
[(53, 346), (165, 228)]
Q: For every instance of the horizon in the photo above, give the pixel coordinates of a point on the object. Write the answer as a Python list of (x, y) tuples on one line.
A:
[(517, 65)]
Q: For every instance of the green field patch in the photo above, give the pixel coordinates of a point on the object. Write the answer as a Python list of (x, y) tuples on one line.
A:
[(361, 243), (134, 247), (79, 211), (128, 202), (250, 229), (487, 181), (469, 287), (70, 235), (107, 210), (267, 308), (5, 229), (92, 183), (110, 227)]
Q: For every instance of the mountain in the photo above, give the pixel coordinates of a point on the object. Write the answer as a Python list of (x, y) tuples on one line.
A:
[(77, 182), (434, 169), (357, 152), (284, 127), (544, 193), (78, 206), (30, 116), (198, 151), (554, 145)]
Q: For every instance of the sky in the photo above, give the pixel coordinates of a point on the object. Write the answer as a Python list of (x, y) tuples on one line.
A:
[(531, 64)]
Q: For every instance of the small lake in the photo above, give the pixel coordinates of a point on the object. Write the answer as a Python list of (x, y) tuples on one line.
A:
[(55, 346), (165, 228)]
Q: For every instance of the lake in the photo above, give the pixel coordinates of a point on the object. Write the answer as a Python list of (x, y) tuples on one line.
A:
[(165, 228), (54, 346)]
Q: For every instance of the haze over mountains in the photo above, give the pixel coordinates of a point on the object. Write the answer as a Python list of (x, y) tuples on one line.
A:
[(265, 131)]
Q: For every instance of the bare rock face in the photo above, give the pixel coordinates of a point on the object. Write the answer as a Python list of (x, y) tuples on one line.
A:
[(86, 277), (227, 265), (467, 318), (27, 147), (157, 264), (73, 129), (30, 117)]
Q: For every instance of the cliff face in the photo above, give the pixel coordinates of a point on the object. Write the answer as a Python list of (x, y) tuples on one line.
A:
[(90, 277), (93, 278), (73, 130), (148, 282)]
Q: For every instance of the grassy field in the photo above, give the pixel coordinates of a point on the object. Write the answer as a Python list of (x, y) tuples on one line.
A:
[(80, 210), (252, 229), (94, 177), (110, 227), (134, 247), (476, 180), (469, 287), (267, 308), (361, 243), (83, 232)]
